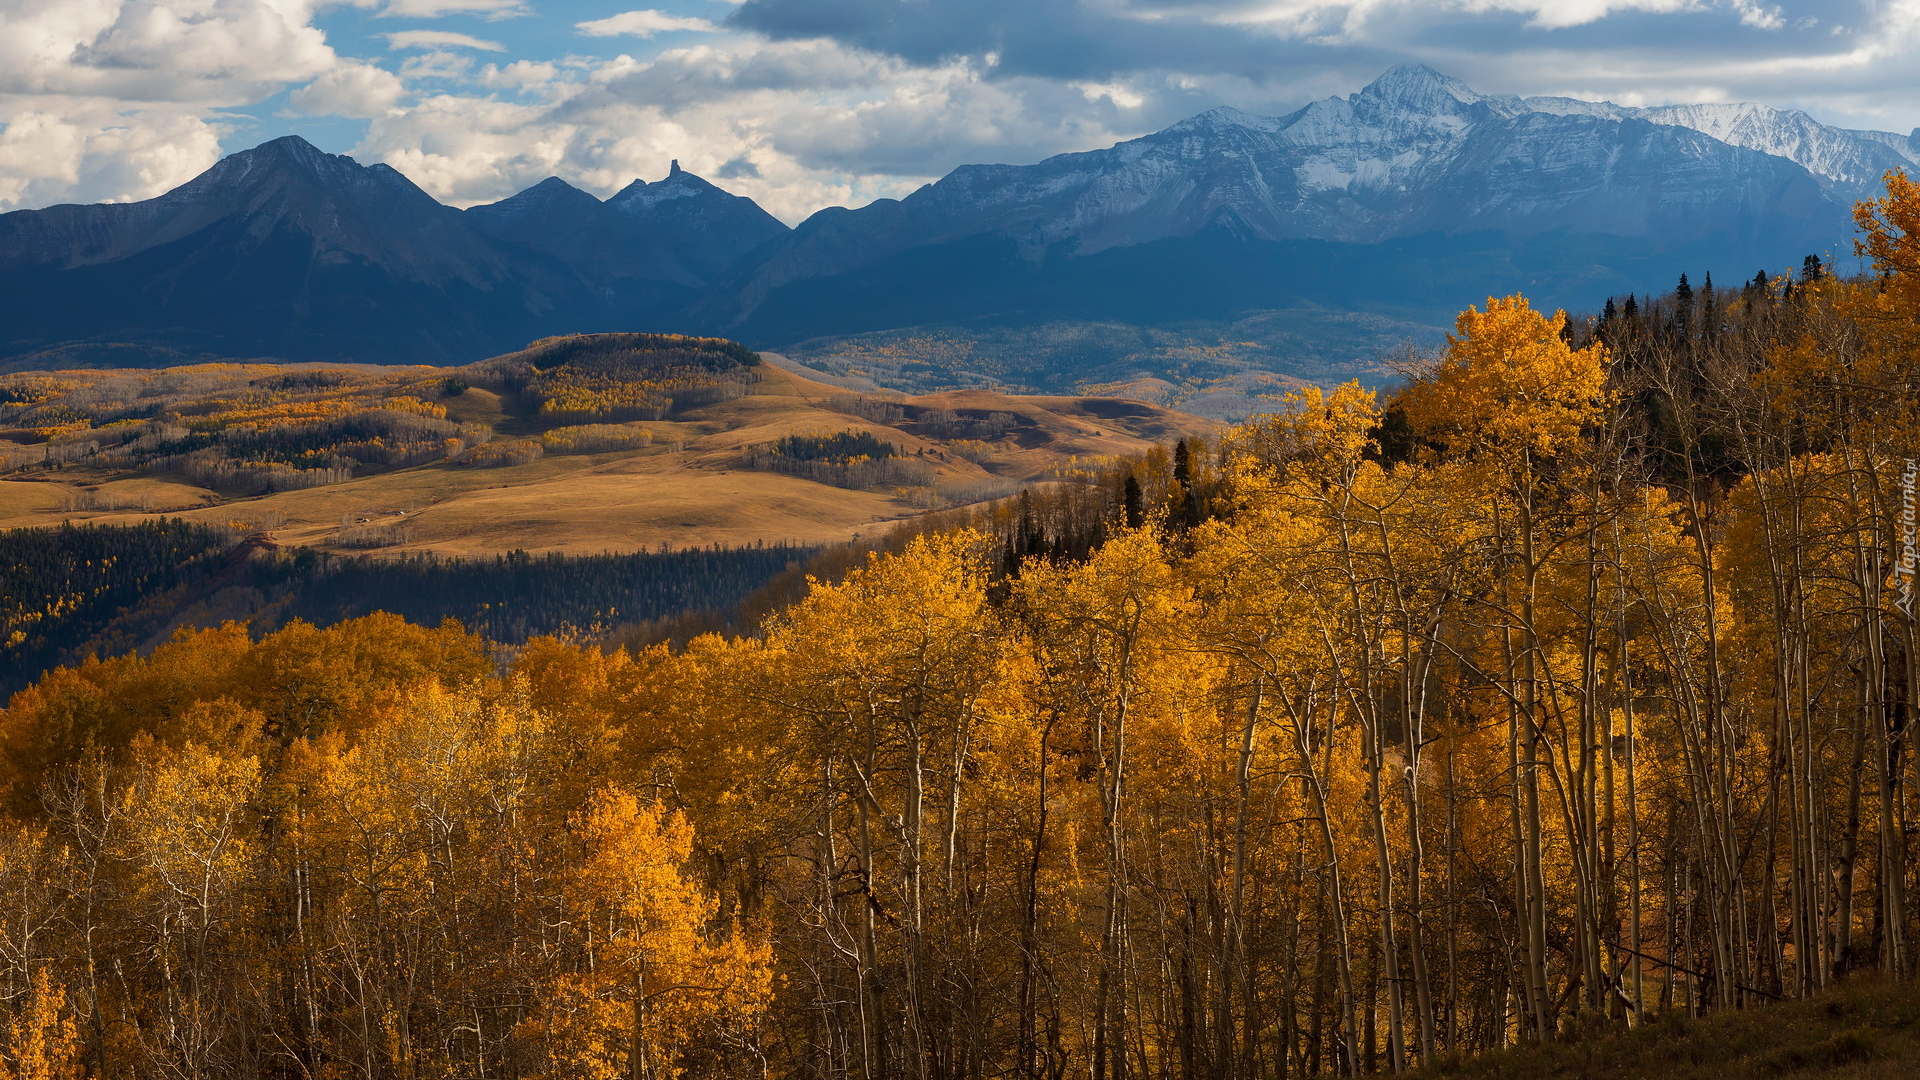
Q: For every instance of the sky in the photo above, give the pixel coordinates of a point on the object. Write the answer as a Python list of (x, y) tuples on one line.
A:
[(803, 104)]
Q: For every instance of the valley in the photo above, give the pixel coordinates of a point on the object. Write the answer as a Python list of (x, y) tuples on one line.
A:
[(491, 469)]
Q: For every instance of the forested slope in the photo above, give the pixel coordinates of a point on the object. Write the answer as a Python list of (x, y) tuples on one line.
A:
[(1562, 697), (74, 591)]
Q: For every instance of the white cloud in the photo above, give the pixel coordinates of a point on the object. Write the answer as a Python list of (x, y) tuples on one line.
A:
[(111, 100), (71, 150), (438, 65), (354, 89), (433, 9), (1559, 14), (525, 76), (226, 51), (1757, 15), (795, 125), (1357, 20), (434, 39), (1118, 93), (643, 24)]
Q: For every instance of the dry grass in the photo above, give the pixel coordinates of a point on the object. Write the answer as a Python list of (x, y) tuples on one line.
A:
[(686, 489), (1864, 1030)]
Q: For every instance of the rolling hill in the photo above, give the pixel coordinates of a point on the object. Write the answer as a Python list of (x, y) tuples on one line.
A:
[(474, 460)]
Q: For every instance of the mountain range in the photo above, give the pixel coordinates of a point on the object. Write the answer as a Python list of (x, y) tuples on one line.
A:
[(1408, 200)]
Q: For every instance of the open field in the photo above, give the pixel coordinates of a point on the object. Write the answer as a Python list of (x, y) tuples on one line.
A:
[(689, 486)]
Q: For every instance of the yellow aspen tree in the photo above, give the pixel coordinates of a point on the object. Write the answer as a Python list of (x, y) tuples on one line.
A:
[(43, 1042), (194, 839), (1106, 635), (661, 982), (879, 682), (1508, 399)]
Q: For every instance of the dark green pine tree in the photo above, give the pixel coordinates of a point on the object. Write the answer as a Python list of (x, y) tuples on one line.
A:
[(1182, 502), (1604, 329), (1709, 310), (1811, 270), (1135, 507)]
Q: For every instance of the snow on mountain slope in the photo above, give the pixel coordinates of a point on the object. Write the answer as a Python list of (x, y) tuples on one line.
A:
[(1849, 163), (706, 228), (1415, 152)]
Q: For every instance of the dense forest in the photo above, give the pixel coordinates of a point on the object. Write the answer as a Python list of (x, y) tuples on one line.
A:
[(77, 590), (1565, 689)]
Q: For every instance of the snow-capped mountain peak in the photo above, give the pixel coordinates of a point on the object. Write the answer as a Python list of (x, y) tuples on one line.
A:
[(1848, 163), (1418, 89), (1415, 153)]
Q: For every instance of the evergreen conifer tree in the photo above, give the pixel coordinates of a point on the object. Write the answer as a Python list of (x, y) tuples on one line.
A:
[(1709, 310), (1181, 497), (1135, 509)]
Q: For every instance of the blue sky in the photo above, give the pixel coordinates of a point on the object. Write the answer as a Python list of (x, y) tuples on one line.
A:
[(540, 31), (809, 103)]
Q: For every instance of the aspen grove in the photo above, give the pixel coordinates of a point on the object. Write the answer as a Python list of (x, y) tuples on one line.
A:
[(1568, 686)]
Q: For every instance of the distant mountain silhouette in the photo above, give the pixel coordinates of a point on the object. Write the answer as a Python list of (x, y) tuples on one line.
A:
[(1411, 198), (649, 247), (283, 251)]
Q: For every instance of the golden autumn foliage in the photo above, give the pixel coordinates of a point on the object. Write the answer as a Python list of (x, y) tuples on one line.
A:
[(425, 836), (42, 1042), (659, 977), (1509, 382), (1566, 689)]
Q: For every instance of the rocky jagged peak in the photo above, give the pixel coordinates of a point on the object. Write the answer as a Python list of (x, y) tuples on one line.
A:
[(292, 164), (1418, 88), (289, 155), (549, 196), (293, 150), (1225, 118), (554, 189), (641, 197)]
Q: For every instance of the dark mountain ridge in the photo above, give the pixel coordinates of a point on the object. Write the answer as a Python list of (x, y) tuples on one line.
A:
[(651, 246), (287, 252), (1409, 200)]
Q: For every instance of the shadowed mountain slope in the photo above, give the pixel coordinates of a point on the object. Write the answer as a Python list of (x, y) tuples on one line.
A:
[(1401, 204), (283, 251), (649, 247), (1317, 207)]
